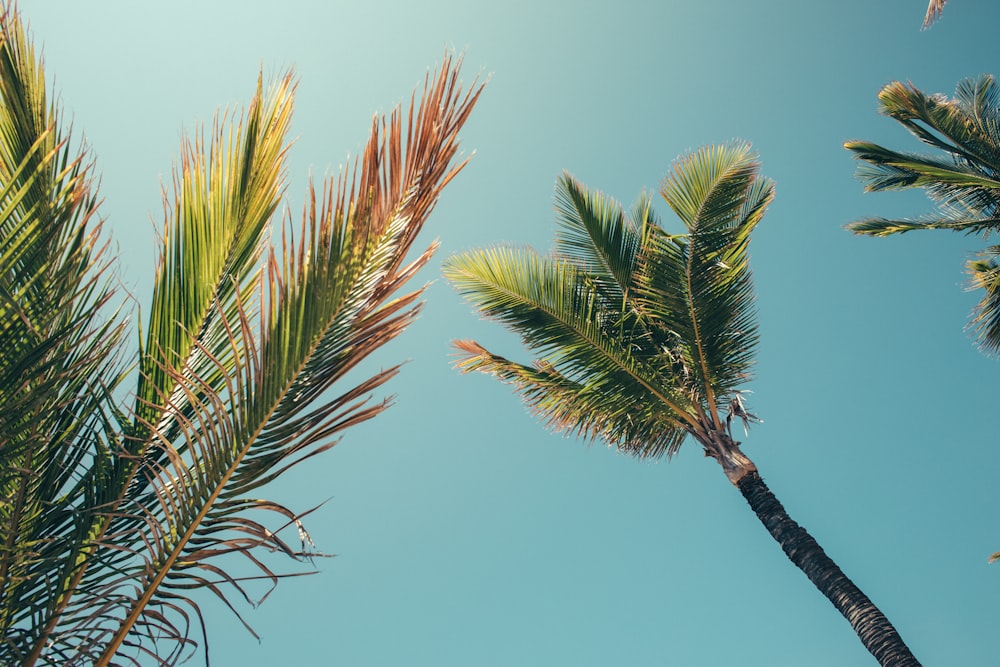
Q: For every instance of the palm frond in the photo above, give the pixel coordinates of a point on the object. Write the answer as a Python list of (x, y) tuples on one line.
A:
[(960, 185), (110, 519), (59, 333), (964, 127), (985, 275), (205, 256), (698, 286), (590, 410), (876, 226), (560, 315), (934, 9), (596, 235), (225, 194)]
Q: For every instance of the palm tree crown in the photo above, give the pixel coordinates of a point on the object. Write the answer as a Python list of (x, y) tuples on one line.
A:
[(963, 177), (111, 515), (645, 337)]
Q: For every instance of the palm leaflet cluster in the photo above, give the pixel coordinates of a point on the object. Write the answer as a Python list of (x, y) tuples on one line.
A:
[(962, 176), (113, 514)]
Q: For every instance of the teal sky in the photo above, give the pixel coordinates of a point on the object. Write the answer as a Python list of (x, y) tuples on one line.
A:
[(465, 534)]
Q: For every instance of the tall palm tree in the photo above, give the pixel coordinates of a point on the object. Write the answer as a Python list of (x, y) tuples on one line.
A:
[(645, 337), (113, 514), (962, 176)]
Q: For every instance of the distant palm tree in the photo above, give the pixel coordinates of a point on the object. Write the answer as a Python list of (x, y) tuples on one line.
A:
[(934, 9), (963, 177), (110, 516), (646, 337)]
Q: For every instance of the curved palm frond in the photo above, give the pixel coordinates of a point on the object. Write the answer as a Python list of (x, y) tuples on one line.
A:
[(210, 253), (561, 316), (934, 9), (59, 335), (595, 234), (985, 275), (698, 286), (587, 410), (963, 179), (110, 519)]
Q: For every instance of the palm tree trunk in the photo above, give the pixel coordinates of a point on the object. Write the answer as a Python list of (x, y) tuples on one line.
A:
[(874, 629)]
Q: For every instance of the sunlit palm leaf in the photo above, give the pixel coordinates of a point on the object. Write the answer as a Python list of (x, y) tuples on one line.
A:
[(596, 235), (934, 9), (560, 316), (225, 196), (698, 286), (985, 275), (58, 338), (588, 409)]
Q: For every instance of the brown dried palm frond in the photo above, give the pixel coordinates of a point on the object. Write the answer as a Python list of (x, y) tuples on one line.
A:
[(934, 9)]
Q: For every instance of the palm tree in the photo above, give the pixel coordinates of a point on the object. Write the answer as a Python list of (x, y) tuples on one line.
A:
[(112, 515), (934, 9), (645, 337), (963, 177)]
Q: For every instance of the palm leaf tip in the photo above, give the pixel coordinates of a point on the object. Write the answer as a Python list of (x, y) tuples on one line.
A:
[(879, 227), (934, 10), (985, 275), (696, 176), (469, 355)]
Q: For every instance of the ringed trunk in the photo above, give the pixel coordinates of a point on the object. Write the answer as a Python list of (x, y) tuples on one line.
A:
[(873, 628)]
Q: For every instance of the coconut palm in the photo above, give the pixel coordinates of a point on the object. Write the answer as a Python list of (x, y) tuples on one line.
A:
[(114, 512), (962, 176), (645, 337)]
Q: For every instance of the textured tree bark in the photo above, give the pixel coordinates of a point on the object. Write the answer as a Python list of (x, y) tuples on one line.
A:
[(874, 629)]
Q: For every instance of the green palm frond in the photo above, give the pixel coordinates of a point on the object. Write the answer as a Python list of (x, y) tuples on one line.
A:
[(642, 336), (111, 519), (588, 410), (224, 198), (58, 336), (698, 285), (596, 235), (963, 178), (561, 316), (985, 275)]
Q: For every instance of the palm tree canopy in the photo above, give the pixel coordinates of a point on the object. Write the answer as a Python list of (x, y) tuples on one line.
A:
[(962, 177), (110, 516), (641, 336)]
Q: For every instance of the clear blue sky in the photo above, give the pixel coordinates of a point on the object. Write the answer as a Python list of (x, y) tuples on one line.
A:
[(465, 534)]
